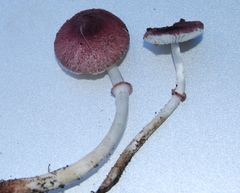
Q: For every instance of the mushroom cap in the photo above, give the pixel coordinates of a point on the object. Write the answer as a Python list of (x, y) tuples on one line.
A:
[(91, 41), (180, 32)]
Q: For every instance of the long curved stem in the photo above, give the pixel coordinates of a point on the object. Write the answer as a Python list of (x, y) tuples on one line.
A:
[(69, 174), (178, 95)]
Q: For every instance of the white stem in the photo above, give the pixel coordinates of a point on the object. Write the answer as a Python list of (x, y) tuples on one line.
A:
[(114, 74), (69, 174), (177, 58), (115, 173), (126, 156)]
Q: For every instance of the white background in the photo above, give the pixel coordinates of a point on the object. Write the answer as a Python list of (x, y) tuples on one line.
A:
[(50, 117)]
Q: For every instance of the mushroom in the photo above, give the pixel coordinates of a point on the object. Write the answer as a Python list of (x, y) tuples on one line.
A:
[(179, 32), (91, 42)]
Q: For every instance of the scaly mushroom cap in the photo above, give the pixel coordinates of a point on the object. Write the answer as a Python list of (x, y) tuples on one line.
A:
[(180, 32), (91, 41)]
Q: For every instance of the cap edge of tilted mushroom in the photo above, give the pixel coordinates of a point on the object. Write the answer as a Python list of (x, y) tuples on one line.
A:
[(168, 35), (75, 46)]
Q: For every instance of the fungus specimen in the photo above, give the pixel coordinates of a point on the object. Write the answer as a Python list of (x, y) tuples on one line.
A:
[(91, 42), (179, 32)]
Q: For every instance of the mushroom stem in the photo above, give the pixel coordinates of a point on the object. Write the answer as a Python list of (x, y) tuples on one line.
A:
[(69, 174), (177, 58), (114, 74), (115, 173), (177, 96)]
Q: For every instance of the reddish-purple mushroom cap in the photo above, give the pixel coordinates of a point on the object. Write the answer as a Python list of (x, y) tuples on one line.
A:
[(180, 32), (91, 41)]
